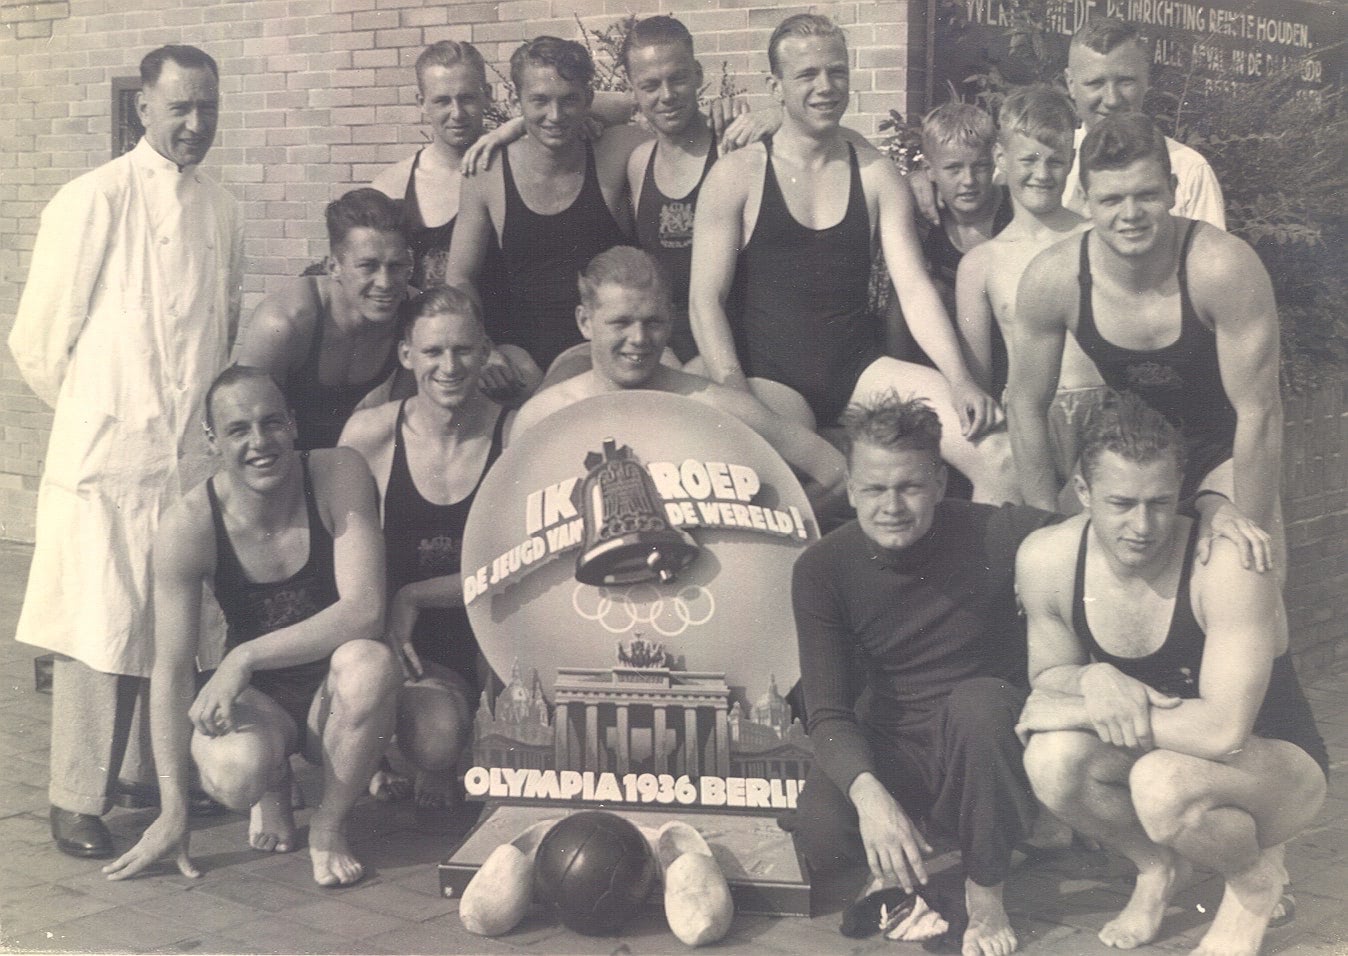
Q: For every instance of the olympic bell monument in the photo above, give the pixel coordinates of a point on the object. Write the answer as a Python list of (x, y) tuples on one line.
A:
[(627, 573)]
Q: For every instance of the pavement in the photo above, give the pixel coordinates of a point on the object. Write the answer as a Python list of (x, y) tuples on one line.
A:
[(251, 902)]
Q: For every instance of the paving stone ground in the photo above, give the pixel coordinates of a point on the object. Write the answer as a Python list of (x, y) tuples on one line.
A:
[(249, 902)]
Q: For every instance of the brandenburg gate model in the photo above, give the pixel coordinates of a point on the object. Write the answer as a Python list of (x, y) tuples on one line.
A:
[(592, 705)]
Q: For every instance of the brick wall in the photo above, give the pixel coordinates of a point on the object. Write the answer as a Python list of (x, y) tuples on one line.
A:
[(1315, 504), (317, 96)]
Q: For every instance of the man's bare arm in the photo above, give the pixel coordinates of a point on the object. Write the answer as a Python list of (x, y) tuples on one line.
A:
[(973, 314), (1237, 297), (1238, 611), (1056, 656), (807, 453), (183, 556), (276, 337), (473, 235), (922, 308), (1036, 351), (718, 235)]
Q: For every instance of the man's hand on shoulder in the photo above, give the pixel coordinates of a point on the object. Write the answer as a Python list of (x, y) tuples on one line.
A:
[(1119, 706), (1219, 518)]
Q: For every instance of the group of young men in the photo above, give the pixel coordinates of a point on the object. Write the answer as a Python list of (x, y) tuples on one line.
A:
[(494, 278)]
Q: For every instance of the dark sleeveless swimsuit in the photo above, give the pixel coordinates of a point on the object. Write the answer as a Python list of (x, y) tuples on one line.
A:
[(665, 231), (423, 540), (799, 304), (321, 410), (943, 260), (254, 608), (430, 244), (543, 255), (1173, 668), (1182, 380), (430, 252)]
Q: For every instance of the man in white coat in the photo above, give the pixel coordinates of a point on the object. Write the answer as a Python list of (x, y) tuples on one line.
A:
[(130, 309)]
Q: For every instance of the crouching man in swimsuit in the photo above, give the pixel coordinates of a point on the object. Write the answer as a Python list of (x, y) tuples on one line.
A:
[(429, 454), (1166, 719), (289, 544)]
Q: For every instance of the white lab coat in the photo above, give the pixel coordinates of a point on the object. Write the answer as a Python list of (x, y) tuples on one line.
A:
[(129, 312)]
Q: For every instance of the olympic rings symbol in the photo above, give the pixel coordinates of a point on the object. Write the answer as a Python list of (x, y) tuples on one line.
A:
[(620, 610)]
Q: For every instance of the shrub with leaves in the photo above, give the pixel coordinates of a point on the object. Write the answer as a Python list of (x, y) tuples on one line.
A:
[(605, 48), (1277, 150)]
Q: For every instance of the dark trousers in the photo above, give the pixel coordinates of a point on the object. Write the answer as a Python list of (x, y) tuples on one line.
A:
[(960, 768)]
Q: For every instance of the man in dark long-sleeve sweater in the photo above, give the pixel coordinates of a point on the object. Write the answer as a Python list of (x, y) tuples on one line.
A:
[(913, 665), (911, 609)]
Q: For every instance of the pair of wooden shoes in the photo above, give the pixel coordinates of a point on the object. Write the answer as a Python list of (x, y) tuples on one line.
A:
[(698, 906)]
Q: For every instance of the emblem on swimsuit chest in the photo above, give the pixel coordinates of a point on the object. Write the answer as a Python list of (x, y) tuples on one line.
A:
[(1153, 375), (438, 554), (676, 224), (286, 606)]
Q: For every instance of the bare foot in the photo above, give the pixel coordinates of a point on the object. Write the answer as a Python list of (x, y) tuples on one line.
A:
[(989, 932), (1248, 902), (334, 863), (389, 786), (1140, 920), (271, 825), (434, 791)]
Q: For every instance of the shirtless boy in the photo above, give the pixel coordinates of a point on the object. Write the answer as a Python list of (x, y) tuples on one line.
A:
[(1033, 154), (957, 146)]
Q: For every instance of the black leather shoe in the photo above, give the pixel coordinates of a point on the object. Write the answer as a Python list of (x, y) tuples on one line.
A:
[(138, 796), (80, 834)]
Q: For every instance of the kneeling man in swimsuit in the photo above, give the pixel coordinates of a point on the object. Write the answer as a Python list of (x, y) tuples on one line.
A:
[(1166, 719), (289, 544), (429, 454)]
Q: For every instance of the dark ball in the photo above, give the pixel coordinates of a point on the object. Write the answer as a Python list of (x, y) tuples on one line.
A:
[(594, 869)]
